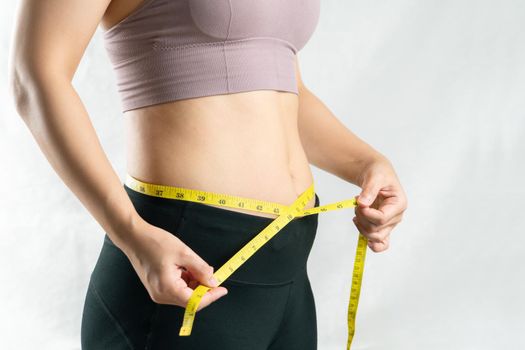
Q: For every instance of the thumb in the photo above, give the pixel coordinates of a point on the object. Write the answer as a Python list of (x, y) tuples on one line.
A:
[(368, 193), (198, 268)]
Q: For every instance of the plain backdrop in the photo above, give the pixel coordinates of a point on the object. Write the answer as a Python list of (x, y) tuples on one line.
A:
[(438, 86)]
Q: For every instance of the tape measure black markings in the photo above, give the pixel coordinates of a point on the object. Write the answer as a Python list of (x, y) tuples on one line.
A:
[(286, 214)]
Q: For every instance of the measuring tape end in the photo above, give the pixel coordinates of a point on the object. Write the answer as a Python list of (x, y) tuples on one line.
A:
[(185, 331)]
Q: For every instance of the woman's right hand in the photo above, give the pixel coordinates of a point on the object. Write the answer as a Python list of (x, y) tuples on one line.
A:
[(168, 268)]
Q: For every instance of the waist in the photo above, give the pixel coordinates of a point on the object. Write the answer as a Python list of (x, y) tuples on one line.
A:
[(272, 184), (217, 234), (234, 149)]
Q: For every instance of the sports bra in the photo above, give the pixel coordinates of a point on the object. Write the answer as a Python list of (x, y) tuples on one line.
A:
[(166, 50)]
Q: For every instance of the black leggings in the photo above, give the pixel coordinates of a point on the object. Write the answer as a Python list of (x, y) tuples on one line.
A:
[(269, 305)]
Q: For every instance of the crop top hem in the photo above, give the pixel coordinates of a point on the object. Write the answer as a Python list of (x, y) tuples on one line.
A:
[(170, 96)]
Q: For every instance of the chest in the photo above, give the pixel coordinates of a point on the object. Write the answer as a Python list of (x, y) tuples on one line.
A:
[(292, 20)]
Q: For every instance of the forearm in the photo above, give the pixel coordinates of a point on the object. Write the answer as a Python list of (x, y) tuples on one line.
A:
[(328, 143), (58, 121)]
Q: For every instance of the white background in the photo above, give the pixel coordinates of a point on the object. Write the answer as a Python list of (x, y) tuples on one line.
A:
[(436, 86)]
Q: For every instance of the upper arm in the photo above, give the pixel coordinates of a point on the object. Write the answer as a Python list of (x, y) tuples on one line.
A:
[(51, 36)]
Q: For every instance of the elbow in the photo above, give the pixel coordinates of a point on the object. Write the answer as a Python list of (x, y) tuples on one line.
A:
[(29, 87), (19, 90), (24, 85)]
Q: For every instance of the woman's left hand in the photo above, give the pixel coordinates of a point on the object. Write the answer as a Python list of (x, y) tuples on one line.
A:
[(381, 203)]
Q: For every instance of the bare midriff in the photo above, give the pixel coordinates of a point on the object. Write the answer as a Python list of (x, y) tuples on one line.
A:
[(245, 144)]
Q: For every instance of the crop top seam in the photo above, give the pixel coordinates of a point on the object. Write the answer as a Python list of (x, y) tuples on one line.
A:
[(224, 49), (159, 46)]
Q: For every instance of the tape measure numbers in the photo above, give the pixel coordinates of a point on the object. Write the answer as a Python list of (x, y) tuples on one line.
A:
[(285, 215)]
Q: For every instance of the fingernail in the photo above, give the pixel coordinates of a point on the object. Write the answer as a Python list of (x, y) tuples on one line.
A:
[(365, 199), (213, 281)]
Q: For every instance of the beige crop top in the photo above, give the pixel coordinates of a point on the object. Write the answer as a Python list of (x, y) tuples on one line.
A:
[(167, 50)]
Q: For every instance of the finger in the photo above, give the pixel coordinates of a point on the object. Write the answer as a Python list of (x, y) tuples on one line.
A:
[(171, 290), (369, 192), (364, 231), (389, 208), (371, 227), (380, 235), (212, 295), (187, 276), (180, 293), (375, 246), (193, 284), (374, 236), (197, 267), (180, 296), (384, 244), (364, 220), (378, 247)]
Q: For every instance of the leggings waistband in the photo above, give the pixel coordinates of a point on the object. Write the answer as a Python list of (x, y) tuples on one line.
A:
[(216, 234)]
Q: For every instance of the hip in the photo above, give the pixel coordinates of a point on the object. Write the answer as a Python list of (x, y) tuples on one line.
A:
[(216, 234)]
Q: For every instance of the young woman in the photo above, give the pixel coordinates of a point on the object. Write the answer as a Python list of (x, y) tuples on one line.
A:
[(213, 100)]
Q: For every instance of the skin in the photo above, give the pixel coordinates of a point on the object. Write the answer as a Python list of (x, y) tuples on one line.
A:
[(184, 143)]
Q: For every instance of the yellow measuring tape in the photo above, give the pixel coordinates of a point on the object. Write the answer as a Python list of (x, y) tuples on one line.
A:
[(285, 215)]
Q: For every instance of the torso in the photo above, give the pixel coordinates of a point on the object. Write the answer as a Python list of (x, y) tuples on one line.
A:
[(245, 144)]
